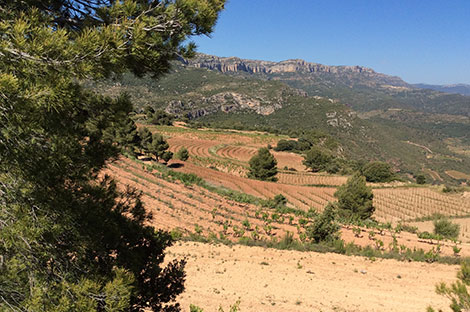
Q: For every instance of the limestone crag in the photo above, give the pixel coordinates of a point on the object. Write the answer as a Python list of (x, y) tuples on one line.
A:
[(237, 65), (225, 102)]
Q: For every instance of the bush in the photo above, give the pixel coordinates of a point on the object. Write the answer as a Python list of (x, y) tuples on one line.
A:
[(182, 154), (286, 145), (263, 166), (377, 171), (457, 292), (420, 179), (446, 228), (317, 159), (355, 199), (160, 117), (324, 228)]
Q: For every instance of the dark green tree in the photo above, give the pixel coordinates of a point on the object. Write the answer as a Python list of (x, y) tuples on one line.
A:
[(182, 154), (146, 139), (149, 111), (127, 135), (355, 198), (263, 166), (324, 227), (161, 118), (420, 179), (317, 159), (69, 239), (158, 147), (377, 171), (167, 155)]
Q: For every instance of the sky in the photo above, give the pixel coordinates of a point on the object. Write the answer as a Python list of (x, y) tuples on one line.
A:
[(421, 41)]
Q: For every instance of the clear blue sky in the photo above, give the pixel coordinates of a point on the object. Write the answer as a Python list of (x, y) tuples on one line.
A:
[(419, 40)]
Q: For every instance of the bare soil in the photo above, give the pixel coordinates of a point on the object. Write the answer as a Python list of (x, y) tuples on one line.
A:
[(275, 280)]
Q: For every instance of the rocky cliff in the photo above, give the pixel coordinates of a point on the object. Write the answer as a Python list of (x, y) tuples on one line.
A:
[(235, 64)]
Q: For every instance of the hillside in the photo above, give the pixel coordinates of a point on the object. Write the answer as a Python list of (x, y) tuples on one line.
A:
[(460, 88), (220, 98), (361, 88)]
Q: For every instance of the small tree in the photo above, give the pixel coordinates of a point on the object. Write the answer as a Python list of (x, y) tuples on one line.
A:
[(182, 154), (420, 179), (158, 148), (127, 136), (317, 159), (162, 118), (355, 198), (263, 166), (377, 171), (145, 140), (324, 228), (167, 156)]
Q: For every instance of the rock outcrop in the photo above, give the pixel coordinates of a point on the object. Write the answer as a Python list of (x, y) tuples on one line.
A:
[(235, 64), (225, 102)]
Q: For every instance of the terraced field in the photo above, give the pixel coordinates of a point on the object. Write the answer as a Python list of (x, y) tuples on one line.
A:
[(244, 153), (192, 208), (303, 190), (310, 179), (302, 197)]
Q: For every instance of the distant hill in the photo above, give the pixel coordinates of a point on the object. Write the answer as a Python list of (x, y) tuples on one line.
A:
[(361, 88), (463, 89)]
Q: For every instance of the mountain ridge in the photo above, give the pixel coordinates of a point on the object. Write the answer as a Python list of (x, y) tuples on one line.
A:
[(235, 64), (456, 88)]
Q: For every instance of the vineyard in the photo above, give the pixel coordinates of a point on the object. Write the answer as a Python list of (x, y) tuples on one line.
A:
[(394, 204), (458, 175), (302, 197), (220, 159), (190, 208)]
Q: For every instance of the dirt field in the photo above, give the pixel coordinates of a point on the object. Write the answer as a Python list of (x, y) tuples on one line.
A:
[(274, 280)]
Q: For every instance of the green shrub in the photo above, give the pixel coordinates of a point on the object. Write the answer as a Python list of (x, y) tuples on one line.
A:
[(446, 228), (457, 292), (420, 179), (263, 166), (324, 228), (355, 199), (182, 154), (377, 171)]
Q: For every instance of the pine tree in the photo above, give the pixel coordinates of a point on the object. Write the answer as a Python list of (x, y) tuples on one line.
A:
[(128, 136), (263, 166), (146, 140), (355, 198), (317, 159), (158, 148), (69, 239)]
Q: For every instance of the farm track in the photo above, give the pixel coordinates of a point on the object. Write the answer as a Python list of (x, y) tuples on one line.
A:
[(268, 280)]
